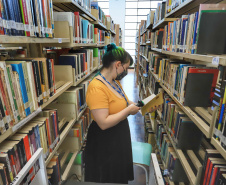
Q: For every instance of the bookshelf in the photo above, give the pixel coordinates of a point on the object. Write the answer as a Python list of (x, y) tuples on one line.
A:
[(72, 6), (30, 40), (35, 48), (203, 58), (202, 117), (162, 23), (194, 179)]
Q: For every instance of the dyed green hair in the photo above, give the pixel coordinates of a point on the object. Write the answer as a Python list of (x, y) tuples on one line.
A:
[(115, 53)]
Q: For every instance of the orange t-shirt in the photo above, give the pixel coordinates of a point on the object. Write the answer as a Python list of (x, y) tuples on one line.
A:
[(99, 96)]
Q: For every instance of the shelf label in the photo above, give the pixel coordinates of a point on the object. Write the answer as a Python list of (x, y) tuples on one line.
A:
[(217, 132), (223, 139), (215, 60), (59, 40)]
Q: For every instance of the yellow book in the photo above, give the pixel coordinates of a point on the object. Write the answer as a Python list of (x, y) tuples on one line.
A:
[(151, 102)]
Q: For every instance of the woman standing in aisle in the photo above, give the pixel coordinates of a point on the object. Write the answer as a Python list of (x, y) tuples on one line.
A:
[(108, 153)]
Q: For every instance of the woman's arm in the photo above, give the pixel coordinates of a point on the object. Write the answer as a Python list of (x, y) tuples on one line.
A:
[(105, 121)]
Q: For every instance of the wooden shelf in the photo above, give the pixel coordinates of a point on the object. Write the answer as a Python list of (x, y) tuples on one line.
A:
[(155, 76), (113, 32), (144, 58), (100, 45), (163, 22), (99, 25), (156, 49), (143, 32), (149, 26), (187, 168), (142, 44), (59, 91), (187, 7), (69, 166), (83, 78), (218, 146), (72, 6), (27, 40), (100, 67), (148, 43), (202, 125), (62, 137), (204, 58)]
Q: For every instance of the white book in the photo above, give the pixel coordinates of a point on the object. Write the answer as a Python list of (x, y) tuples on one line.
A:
[(32, 85)]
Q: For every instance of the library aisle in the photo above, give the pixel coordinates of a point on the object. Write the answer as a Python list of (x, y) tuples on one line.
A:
[(136, 122)]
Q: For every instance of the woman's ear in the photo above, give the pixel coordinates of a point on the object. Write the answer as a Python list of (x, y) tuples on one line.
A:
[(118, 64)]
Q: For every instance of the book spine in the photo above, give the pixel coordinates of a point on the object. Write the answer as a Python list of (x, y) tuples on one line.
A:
[(23, 8)]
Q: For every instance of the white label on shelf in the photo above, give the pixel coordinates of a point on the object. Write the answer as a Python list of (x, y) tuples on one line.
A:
[(45, 94), (27, 27), (223, 139), (59, 40), (8, 24), (22, 26), (13, 24), (1, 22), (43, 30), (215, 60), (36, 29), (17, 26), (217, 132)]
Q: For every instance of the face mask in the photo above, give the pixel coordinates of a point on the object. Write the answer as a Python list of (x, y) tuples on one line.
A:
[(121, 75)]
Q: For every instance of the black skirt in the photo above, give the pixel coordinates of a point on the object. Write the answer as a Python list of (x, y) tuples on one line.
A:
[(108, 154)]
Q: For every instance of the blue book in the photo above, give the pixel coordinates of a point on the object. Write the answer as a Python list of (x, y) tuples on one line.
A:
[(9, 6), (195, 32), (85, 24), (6, 18), (183, 33), (18, 68)]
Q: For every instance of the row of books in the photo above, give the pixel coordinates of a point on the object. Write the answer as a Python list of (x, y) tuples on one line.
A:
[(180, 127), (110, 23), (54, 171), (81, 127), (100, 36), (213, 169), (83, 30), (27, 18), (159, 12), (150, 18), (72, 102), (80, 60), (86, 4), (172, 4), (25, 84), (16, 151), (192, 84), (169, 157), (188, 34), (146, 37), (98, 13)]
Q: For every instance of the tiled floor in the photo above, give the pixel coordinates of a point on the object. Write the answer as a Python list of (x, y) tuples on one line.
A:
[(136, 122)]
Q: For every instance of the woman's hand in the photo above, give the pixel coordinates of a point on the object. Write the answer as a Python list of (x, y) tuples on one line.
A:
[(133, 109), (154, 109)]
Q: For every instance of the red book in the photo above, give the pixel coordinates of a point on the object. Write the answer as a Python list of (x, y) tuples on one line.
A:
[(53, 75), (23, 8), (204, 71), (28, 154), (206, 172), (209, 172), (215, 170), (77, 26)]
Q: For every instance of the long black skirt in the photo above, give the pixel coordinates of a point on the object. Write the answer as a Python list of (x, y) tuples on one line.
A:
[(108, 154)]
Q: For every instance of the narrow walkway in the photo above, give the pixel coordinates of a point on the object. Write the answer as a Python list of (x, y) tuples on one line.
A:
[(136, 122)]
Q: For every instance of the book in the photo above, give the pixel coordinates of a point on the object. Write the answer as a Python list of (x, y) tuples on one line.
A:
[(151, 102)]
